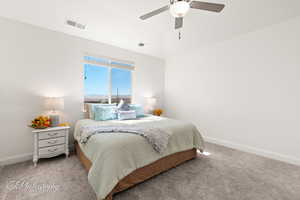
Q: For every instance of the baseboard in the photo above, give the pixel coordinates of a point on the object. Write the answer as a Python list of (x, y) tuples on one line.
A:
[(249, 149), (245, 148), (15, 159), (22, 158)]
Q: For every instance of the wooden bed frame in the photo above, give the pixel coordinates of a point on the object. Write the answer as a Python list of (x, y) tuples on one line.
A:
[(144, 173)]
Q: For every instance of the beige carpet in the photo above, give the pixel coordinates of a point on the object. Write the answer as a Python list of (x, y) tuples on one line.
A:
[(224, 175)]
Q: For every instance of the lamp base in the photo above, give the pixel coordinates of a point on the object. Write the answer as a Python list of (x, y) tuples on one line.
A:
[(54, 119)]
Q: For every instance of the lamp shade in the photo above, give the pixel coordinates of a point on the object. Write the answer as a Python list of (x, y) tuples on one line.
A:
[(151, 101), (54, 103), (150, 104)]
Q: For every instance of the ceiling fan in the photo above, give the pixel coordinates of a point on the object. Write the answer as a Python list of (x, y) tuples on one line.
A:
[(179, 8)]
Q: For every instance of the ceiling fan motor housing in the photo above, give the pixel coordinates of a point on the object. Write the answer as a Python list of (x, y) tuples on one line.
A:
[(174, 1), (179, 8)]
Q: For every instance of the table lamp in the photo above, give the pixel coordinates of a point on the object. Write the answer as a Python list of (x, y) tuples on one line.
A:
[(54, 104), (151, 103)]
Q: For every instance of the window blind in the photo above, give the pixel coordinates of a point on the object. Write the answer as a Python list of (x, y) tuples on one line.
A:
[(108, 62)]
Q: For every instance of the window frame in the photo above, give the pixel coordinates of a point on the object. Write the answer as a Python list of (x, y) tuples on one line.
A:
[(130, 67)]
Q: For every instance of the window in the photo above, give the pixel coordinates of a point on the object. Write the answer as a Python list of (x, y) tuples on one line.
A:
[(120, 85), (107, 80)]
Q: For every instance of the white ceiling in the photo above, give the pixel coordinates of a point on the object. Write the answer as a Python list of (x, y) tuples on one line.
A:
[(117, 22)]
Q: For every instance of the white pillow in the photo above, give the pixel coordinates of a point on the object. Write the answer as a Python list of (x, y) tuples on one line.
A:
[(124, 115), (120, 104)]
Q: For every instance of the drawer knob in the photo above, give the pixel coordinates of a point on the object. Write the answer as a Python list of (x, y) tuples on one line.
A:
[(52, 134), (52, 142), (52, 150)]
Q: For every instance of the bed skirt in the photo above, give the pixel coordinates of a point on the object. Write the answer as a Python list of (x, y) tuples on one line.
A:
[(143, 173)]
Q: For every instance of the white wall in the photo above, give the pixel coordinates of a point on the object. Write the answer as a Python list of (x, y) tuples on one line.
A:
[(243, 92), (36, 62)]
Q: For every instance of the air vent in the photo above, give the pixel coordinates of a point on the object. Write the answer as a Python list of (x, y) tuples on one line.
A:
[(75, 24)]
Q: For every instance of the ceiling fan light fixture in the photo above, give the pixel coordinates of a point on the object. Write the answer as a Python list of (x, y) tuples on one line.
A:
[(179, 8)]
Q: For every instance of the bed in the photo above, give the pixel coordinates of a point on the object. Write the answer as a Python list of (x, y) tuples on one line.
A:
[(118, 161)]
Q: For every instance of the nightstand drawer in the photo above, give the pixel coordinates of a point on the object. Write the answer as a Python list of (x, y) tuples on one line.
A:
[(51, 150), (52, 134), (51, 142)]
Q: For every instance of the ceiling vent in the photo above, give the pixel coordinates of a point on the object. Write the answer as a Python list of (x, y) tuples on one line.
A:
[(75, 24)]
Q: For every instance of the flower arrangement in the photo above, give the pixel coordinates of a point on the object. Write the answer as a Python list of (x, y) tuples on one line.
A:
[(64, 124), (157, 112), (40, 122)]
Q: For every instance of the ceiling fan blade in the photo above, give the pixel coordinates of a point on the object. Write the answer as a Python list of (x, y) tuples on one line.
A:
[(214, 7), (155, 12), (178, 22)]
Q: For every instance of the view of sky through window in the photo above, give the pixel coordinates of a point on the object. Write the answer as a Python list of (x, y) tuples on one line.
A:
[(121, 81), (97, 84), (96, 80)]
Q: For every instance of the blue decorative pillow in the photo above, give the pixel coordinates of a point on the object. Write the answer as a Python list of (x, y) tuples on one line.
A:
[(92, 106), (103, 113), (138, 109), (123, 106)]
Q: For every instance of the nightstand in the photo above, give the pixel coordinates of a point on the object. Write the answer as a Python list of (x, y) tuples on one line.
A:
[(50, 142)]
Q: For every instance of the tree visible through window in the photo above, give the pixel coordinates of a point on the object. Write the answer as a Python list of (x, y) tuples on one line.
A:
[(105, 82)]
